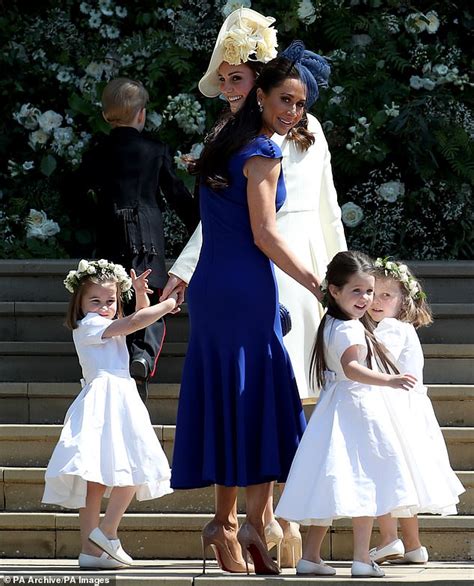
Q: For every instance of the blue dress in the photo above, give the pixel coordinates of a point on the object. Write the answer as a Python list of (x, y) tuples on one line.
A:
[(240, 417)]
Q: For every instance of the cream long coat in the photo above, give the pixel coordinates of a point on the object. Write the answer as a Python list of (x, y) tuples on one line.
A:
[(310, 222)]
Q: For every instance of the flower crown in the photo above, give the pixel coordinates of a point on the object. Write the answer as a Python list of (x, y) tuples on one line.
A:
[(102, 269), (400, 273), (249, 41), (324, 290)]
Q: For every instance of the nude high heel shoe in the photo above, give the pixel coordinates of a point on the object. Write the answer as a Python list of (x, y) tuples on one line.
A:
[(251, 542), (213, 535), (291, 546), (274, 537)]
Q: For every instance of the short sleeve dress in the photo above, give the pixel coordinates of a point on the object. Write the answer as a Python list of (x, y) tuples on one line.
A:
[(107, 435), (240, 417), (437, 485), (350, 462)]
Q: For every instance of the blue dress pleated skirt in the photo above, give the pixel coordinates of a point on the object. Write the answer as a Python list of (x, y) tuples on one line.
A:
[(240, 418)]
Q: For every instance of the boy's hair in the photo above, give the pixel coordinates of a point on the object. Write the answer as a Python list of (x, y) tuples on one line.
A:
[(415, 309), (74, 311), (341, 268), (122, 99)]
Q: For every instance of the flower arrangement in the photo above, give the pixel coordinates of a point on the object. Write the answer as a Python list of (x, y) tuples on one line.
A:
[(400, 272), (397, 116), (103, 269), (246, 41)]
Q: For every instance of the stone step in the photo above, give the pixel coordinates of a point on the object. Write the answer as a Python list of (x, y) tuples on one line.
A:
[(21, 490), (56, 361), (32, 445), (26, 321), (42, 280), (152, 536), (446, 281), (47, 402), (164, 572), (30, 321)]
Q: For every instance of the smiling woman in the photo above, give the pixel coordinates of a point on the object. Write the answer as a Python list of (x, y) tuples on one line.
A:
[(239, 398)]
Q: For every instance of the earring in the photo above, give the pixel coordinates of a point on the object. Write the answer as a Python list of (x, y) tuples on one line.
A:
[(260, 107)]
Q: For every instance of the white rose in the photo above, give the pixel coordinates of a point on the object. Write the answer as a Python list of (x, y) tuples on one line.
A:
[(83, 266), (38, 137), (306, 12), (378, 263), (91, 270), (403, 268), (389, 265), (63, 136), (440, 69), (390, 190), (352, 214), (428, 83), (416, 82), (102, 263), (36, 218), (404, 278), (50, 120), (433, 21)]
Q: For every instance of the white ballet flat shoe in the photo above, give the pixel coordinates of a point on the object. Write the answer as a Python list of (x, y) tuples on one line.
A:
[(305, 567), (362, 570), (111, 546), (392, 551), (104, 562), (415, 556)]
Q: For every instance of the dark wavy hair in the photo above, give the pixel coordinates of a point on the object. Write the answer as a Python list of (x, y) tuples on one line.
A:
[(241, 128), (341, 268)]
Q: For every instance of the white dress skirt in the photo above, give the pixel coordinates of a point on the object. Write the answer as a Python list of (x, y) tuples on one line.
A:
[(350, 462), (310, 223), (437, 485), (107, 436)]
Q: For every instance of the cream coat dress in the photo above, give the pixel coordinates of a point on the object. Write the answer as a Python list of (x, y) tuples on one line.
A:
[(310, 222)]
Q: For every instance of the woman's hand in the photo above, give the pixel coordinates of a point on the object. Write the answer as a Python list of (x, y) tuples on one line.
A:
[(174, 284), (402, 381)]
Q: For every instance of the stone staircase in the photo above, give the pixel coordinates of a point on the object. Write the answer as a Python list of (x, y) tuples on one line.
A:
[(39, 374)]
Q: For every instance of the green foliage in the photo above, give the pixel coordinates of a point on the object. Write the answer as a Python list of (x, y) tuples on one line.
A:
[(398, 110)]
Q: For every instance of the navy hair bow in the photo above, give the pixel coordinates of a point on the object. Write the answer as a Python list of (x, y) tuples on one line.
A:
[(314, 70)]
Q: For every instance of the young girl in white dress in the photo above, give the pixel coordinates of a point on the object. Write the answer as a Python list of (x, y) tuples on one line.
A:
[(350, 462), (398, 308), (107, 445)]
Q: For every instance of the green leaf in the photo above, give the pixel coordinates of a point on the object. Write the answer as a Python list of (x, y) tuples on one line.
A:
[(48, 165)]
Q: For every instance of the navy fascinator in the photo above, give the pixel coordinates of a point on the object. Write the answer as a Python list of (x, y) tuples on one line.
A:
[(313, 69)]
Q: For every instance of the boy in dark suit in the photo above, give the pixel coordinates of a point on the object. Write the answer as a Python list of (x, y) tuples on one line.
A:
[(130, 173)]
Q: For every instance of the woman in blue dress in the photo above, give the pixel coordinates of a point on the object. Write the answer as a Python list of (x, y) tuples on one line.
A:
[(240, 418)]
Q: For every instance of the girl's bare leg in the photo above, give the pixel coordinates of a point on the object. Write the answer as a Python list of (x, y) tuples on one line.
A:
[(89, 517)]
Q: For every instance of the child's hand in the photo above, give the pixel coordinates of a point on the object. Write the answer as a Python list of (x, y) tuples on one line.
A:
[(175, 296), (140, 283), (402, 381)]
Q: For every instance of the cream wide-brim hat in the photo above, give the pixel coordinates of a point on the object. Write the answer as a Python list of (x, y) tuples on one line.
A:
[(209, 83)]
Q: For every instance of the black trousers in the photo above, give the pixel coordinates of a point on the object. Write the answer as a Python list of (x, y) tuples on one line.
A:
[(147, 343)]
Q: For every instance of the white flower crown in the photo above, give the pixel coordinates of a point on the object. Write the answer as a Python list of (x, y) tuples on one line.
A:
[(400, 273), (101, 268), (249, 41)]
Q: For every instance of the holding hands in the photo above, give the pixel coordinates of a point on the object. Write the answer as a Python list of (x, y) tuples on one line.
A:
[(174, 287)]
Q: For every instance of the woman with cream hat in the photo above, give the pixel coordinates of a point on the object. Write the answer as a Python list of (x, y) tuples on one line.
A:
[(310, 218)]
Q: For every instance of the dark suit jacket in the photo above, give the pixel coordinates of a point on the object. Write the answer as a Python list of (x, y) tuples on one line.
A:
[(130, 173)]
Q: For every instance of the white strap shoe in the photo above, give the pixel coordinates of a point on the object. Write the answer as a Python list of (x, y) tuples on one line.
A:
[(362, 570), (111, 546), (305, 567), (104, 562), (392, 551)]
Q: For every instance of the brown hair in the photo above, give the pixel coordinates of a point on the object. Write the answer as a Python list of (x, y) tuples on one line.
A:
[(74, 311), (415, 311), (300, 134), (122, 99), (341, 268)]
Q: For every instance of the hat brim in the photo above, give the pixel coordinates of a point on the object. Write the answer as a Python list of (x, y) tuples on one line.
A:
[(209, 83)]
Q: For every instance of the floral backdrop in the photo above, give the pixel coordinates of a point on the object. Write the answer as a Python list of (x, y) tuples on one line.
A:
[(397, 115)]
